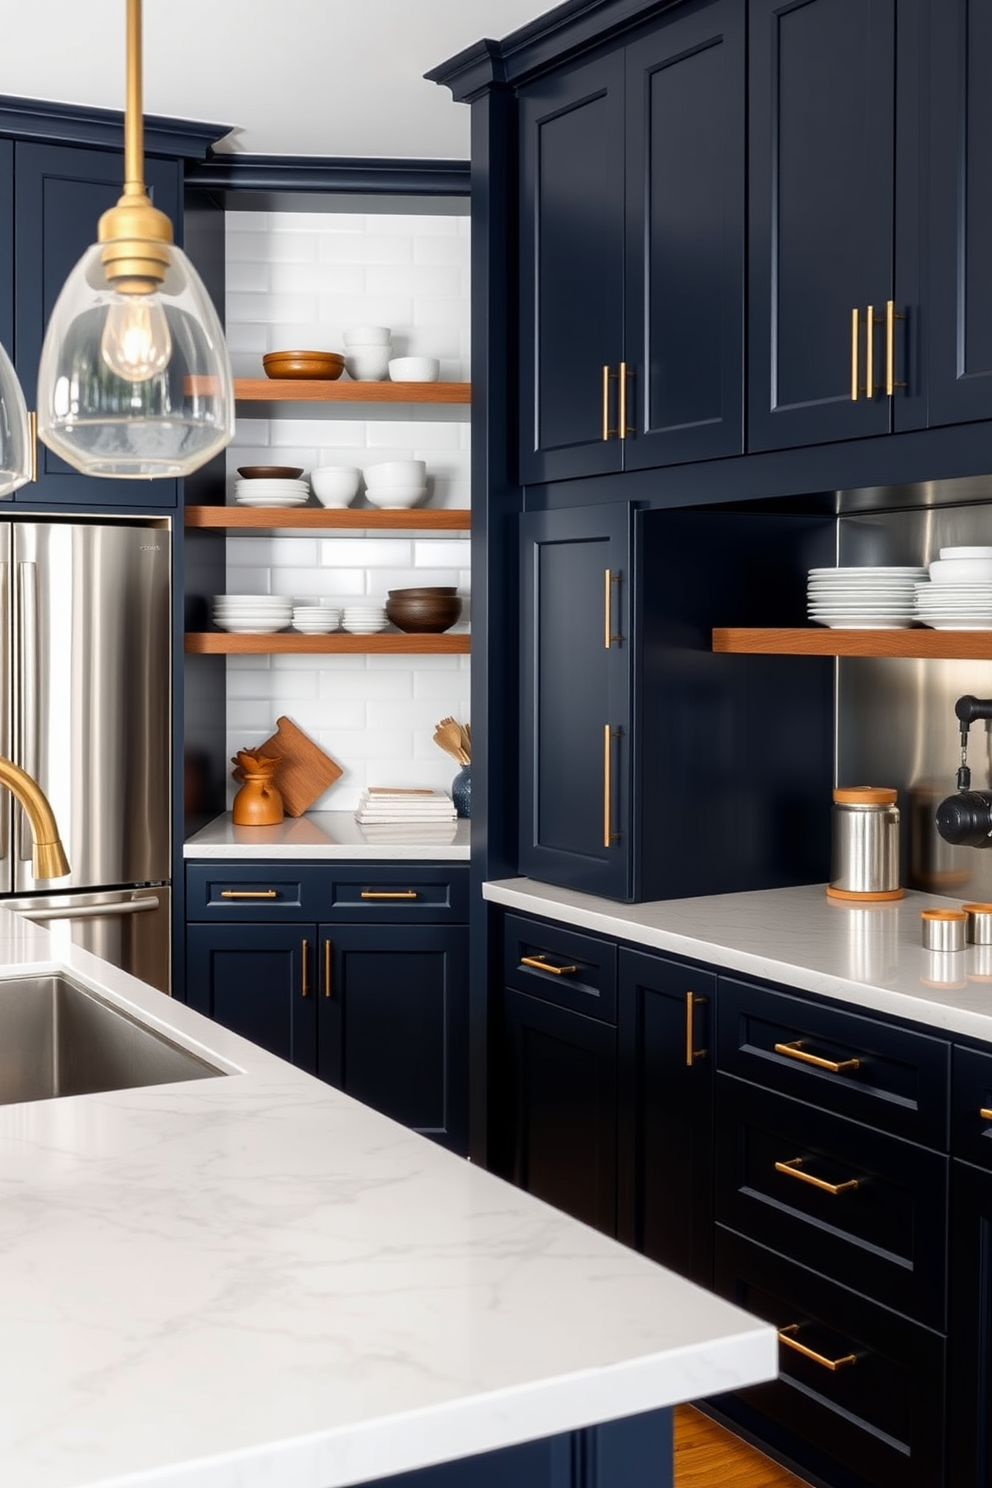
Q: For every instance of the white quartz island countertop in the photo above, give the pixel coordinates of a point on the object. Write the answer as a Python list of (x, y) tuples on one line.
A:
[(251, 1281), (870, 955), (330, 835)]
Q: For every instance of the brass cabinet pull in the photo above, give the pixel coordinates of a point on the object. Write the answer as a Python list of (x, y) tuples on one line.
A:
[(389, 894), (607, 431), (891, 316), (855, 318), (787, 1336), (33, 436), (795, 1050), (691, 1003), (327, 968), (985, 1113), (622, 418), (541, 964), (609, 636), (870, 353), (305, 979), (793, 1169), (249, 893)]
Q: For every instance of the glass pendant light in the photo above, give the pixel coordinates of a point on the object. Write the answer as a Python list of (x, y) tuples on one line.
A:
[(134, 378), (15, 436)]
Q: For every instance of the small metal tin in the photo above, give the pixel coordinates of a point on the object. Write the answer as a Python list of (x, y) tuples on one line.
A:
[(978, 930), (943, 929)]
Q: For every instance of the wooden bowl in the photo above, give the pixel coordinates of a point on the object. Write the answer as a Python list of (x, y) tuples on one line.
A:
[(270, 472), (326, 366), (423, 614)]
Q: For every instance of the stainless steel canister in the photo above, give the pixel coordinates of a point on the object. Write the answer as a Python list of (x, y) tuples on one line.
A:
[(979, 927), (865, 862), (943, 929)]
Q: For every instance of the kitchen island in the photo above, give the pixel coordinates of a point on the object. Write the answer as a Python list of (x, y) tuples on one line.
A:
[(252, 1281)]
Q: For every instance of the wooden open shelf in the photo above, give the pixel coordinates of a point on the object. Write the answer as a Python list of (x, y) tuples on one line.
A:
[(307, 390), (948, 645), (327, 517), (223, 643)]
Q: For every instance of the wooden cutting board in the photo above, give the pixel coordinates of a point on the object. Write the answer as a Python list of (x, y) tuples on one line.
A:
[(305, 771)]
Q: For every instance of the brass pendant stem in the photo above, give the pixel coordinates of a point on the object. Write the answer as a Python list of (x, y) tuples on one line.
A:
[(134, 124)]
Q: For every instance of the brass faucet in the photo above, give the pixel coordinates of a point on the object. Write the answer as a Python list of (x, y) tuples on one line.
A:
[(48, 858)]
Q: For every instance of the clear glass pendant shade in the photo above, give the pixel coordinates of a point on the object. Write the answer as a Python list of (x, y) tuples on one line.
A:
[(15, 437), (135, 384)]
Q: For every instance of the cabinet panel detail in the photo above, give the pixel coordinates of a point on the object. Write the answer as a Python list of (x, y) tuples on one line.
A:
[(560, 965)]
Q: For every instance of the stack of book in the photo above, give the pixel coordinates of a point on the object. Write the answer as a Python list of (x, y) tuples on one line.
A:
[(394, 809)]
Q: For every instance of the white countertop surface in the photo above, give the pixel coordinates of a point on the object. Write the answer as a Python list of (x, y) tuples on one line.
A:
[(255, 1282), (871, 955), (329, 835)]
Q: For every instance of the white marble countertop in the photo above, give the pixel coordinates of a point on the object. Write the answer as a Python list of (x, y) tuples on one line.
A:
[(253, 1281), (871, 955), (330, 835)]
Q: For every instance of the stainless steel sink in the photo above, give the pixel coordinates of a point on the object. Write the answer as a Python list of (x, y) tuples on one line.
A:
[(56, 1038)]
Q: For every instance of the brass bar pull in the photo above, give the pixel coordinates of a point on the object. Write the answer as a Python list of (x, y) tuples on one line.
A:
[(607, 627), (327, 969), (985, 1113), (607, 431), (891, 316), (249, 893), (389, 894), (795, 1050), (691, 1003), (305, 979), (540, 963), (607, 785), (870, 353), (793, 1169), (787, 1336), (854, 354), (33, 436), (622, 419)]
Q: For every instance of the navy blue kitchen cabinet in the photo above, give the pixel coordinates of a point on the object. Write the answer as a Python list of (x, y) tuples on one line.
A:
[(60, 192), (834, 315), (631, 252), (356, 973), (970, 1271), (6, 248), (665, 1143)]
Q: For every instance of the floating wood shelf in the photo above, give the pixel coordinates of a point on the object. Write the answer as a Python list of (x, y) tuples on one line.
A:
[(966, 645), (306, 390), (326, 517), (223, 643)]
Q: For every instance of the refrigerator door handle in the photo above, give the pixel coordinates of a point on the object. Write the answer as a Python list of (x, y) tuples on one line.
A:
[(27, 744), (92, 911)]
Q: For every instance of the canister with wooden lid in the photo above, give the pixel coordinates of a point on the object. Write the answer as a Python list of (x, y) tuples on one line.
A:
[(865, 836)]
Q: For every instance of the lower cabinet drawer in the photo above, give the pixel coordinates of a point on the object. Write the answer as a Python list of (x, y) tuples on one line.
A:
[(561, 965), (971, 1106), (859, 1385), (864, 1208)]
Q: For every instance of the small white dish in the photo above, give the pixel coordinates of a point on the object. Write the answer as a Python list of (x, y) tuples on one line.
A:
[(367, 363), (946, 571), (335, 485), (366, 335), (972, 552), (414, 369)]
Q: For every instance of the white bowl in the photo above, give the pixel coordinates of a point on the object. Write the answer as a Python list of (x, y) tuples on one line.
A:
[(369, 365), (366, 335), (396, 472), (966, 553), (961, 571), (396, 497), (414, 369), (335, 485)]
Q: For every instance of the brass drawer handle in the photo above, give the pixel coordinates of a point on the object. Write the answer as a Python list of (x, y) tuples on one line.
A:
[(305, 979), (854, 354), (389, 894), (622, 419), (33, 437), (793, 1169), (327, 969), (691, 1003), (249, 893), (540, 964), (891, 316), (607, 431), (985, 1113), (787, 1336), (795, 1050), (870, 353)]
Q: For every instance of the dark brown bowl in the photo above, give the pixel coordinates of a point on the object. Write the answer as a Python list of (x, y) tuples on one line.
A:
[(423, 593), (424, 615), (270, 472), (324, 366)]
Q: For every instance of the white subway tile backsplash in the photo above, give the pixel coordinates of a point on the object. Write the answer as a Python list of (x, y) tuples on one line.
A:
[(314, 278), (411, 279), (270, 309), (248, 276), (434, 248), (441, 554), (373, 552)]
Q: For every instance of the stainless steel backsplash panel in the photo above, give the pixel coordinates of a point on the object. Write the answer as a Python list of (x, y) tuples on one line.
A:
[(895, 718)]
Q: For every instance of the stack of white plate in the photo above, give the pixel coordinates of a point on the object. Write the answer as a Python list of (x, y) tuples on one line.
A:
[(315, 619), (364, 619), (863, 598), (959, 594), (252, 614), (271, 492)]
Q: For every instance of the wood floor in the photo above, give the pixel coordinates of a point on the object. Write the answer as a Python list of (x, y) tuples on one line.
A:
[(707, 1456)]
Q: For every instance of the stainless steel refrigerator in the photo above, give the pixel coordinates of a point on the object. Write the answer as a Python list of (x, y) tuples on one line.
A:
[(85, 709)]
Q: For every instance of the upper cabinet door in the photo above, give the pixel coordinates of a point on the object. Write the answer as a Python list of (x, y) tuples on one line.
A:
[(571, 270), (684, 320), (60, 191), (822, 142), (961, 214)]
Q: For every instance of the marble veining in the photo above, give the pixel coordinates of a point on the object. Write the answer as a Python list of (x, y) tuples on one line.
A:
[(253, 1281), (331, 836), (870, 955)]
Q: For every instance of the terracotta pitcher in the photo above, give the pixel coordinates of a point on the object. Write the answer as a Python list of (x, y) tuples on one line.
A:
[(258, 802)]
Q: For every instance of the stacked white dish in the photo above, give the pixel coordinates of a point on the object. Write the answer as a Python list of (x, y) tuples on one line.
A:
[(396, 483), (958, 595), (252, 614), (315, 619), (879, 598), (271, 492), (364, 619), (366, 352)]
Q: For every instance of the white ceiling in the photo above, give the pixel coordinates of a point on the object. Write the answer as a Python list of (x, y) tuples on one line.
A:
[(291, 77)]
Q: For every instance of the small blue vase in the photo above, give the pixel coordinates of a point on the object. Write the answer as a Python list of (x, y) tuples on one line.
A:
[(461, 791)]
